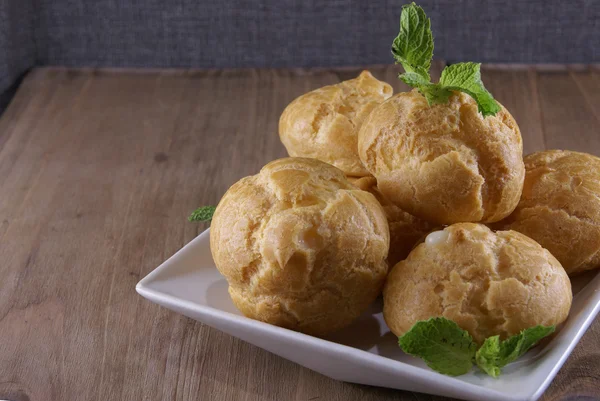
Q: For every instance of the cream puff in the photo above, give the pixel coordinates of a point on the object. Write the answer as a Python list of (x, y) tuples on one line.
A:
[(444, 163), (300, 246), (323, 124), (560, 207), (488, 283)]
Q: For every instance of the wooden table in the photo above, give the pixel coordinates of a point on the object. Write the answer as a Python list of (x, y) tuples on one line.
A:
[(98, 172)]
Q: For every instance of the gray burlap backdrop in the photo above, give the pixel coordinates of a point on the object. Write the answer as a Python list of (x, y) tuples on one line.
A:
[(284, 33)]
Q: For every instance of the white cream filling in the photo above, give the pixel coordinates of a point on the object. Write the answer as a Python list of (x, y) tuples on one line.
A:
[(437, 237)]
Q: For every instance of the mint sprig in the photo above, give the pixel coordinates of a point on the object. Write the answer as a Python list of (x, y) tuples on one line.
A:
[(204, 213), (448, 349), (413, 48)]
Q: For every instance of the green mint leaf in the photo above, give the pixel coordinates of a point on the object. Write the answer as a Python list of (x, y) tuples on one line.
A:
[(487, 356), (466, 77), (494, 355), (442, 344), (204, 213), (417, 81), (413, 79), (413, 47)]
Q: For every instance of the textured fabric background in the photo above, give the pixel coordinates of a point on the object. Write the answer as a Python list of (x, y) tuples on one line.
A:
[(307, 33), (285, 33), (17, 46)]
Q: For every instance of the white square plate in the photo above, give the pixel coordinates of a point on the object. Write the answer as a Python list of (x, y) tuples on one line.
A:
[(366, 352)]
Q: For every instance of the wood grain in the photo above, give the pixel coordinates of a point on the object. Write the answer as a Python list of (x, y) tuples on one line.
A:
[(98, 171)]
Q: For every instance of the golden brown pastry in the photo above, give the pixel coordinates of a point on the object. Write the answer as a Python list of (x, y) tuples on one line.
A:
[(560, 207), (324, 123), (300, 246), (488, 283), (405, 229), (445, 163)]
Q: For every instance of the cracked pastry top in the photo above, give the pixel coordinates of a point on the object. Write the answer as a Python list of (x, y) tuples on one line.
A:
[(488, 283), (300, 246), (323, 124), (560, 207), (444, 163)]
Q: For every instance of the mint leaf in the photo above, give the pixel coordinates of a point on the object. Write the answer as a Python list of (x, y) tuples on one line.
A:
[(487, 356), (204, 213), (413, 47), (466, 77), (442, 344), (494, 355), (415, 80)]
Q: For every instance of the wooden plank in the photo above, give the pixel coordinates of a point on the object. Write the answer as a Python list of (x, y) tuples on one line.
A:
[(568, 117), (98, 172), (588, 83)]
